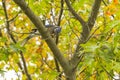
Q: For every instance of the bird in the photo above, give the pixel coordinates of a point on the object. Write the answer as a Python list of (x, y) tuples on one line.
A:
[(52, 29)]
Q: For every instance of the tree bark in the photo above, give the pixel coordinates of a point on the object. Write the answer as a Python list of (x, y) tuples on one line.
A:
[(69, 67), (71, 75), (46, 36)]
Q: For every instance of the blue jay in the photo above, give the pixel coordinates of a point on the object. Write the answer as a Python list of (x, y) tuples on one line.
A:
[(52, 29)]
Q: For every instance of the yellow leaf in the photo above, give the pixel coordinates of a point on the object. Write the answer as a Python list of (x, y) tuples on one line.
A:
[(44, 55), (2, 64), (48, 16)]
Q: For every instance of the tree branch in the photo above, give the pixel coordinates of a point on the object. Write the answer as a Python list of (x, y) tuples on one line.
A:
[(93, 15), (27, 38), (60, 14), (85, 33), (79, 18), (59, 19), (13, 39), (41, 28), (108, 72), (25, 67), (57, 39), (14, 16), (7, 22)]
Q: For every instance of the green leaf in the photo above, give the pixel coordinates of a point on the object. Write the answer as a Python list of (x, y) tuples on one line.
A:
[(112, 24), (116, 66), (17, 47), (2, 72), (4, 53), (90, 48), (101, 76), (3, 39), (51, 75)]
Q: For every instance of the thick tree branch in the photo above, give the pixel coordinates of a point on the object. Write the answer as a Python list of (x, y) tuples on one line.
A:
[(41, 28), (79, 18), (94, 13), (85, 33)]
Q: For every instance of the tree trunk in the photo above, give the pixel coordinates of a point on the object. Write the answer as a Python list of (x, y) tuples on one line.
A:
[(71, 75)]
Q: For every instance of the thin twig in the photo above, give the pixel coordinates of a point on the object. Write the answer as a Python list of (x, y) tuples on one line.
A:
[(73, 31), (79, 18), (21, 33), (109, 34), (57, 38), (25, 67), (27, 33), (108, 72), (44, 60), (83, 70), (104, 3), (7, 22), (92, 33), (15, 16), (21, 68), (60, 14), (11, 36)]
